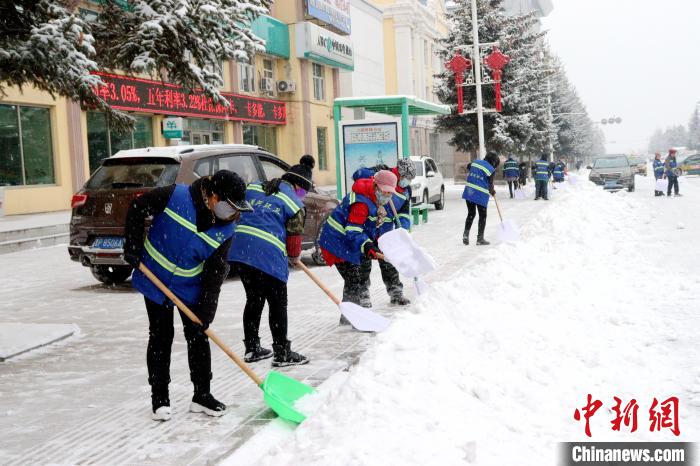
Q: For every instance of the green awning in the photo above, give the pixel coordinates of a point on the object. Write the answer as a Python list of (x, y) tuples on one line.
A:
[(275, 33)]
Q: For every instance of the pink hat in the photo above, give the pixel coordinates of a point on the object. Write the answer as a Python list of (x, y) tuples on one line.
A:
[(386, 181)]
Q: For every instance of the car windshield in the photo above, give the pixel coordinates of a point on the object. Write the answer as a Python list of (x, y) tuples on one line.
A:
[(610, 162), (419, 168), (134, 173)]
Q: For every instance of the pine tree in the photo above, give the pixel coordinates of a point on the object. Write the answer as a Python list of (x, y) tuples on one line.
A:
[(524, 125), (47, 45), (694, 130)]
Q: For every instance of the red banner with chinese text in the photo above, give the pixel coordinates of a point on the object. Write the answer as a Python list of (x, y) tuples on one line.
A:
[(144, 95)]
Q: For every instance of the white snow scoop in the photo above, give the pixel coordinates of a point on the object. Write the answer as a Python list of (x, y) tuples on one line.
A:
[(507, 231), (661, 184), (520, 194), (363, 319), (412, 260)]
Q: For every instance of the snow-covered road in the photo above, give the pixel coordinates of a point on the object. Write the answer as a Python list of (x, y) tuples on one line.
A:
[(86, 400), (599, 297)]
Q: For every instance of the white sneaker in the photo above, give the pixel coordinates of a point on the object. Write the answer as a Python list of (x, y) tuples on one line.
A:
[(164, 413)]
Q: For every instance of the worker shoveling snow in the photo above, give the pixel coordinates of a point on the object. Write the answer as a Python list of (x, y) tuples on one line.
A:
[(491, 364)]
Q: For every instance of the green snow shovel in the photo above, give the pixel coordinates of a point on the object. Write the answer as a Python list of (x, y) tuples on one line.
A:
[(280, 392)]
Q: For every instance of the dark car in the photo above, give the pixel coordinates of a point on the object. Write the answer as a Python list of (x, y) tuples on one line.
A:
[(613, 172), (100, 207)]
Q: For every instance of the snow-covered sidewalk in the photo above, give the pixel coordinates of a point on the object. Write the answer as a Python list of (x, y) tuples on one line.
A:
[(599, 297)]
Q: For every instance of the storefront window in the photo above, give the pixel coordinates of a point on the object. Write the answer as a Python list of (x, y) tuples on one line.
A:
[(104, 142), (319, 79), (26, 149), (321, 146), (262, 136), (196, 131)]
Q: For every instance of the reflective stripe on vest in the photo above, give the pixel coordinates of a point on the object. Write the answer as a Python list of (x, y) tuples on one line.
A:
[(262, 234), (192, 227), (478, 188), (169, 266), (483, 169)]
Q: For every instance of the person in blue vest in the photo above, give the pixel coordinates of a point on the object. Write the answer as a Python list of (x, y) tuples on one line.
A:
[(671, 172), (477, 192), (267, 241), (348, 236), (542, 172), (658, 167), (186, 248), (558, 171), (511, 172), (405, 172)]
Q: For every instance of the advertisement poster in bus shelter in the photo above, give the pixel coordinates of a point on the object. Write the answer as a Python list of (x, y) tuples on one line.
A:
[(367, 143)]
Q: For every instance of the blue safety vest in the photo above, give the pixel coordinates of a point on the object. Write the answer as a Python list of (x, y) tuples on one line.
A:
[(542, 170), (558, 173), (345, 240), (260, 236), (658, 169), (175, 251), (477, 188), (672, 164), (389, 222), (510, 169)]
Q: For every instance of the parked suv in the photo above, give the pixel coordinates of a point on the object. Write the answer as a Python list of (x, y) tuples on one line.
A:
[(99, 208), (427, 187), (613, 172)]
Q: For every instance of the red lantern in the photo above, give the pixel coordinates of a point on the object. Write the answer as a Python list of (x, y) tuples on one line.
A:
[(496, 61), (458, 65)]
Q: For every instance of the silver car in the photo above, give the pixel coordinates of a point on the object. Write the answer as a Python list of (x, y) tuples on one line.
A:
[(613, 172)]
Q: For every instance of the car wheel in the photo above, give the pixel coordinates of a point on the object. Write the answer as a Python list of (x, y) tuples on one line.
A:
[(630, 188), (425, 197), (111, 274), (439, 205), (317, 256)]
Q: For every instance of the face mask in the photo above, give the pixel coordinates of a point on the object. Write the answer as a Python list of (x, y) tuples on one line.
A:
[(381, 197), (300, 192), (404, 183), (225, 211)]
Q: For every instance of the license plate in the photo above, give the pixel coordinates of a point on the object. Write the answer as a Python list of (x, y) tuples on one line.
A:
[(109, 242), (611, 184)]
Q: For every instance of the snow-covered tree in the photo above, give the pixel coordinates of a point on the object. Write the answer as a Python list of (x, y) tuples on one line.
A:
[(47, 45), (524, 125), (673, 136), (694, 130)]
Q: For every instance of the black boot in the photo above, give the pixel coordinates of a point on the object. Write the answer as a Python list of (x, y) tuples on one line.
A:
[(160, 403), (465, 237), (284, 356), (400, 300), (255, 352), (481, 241), (204, 402)]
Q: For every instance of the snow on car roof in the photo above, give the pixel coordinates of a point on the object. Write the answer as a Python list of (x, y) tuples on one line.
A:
[(177, 151)]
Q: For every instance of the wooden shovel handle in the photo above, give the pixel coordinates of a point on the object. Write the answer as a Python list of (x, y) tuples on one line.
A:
[(209, 332), (498, 207), (317, 281)]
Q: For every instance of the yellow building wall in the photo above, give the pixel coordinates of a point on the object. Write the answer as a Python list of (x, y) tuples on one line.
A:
[(390, 79), (43, 198)]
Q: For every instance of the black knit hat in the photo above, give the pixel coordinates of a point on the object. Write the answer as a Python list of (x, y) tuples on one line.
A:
[(301, 173), (230, 188)]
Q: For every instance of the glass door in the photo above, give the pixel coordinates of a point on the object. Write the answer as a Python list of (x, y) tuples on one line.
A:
[(200, 138)]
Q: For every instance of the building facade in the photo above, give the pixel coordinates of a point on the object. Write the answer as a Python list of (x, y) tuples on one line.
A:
[(280, 100)]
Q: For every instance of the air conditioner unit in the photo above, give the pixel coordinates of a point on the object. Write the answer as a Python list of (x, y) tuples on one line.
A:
[(286, 86), (267, 85)]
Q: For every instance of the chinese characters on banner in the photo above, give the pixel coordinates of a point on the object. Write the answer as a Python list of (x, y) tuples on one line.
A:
[(134, 94), (662, 415)]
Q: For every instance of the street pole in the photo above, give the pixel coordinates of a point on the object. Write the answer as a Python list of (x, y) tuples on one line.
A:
[(477, 72)]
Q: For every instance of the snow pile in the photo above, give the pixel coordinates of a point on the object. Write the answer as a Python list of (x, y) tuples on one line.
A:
[(493, 362)]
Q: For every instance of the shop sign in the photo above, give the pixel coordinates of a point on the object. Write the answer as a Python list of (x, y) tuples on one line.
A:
[(334, 13), (143, 95), (172, 128), (324, 46)]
